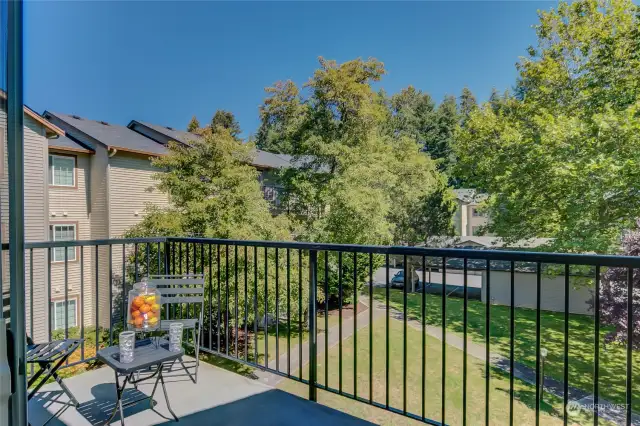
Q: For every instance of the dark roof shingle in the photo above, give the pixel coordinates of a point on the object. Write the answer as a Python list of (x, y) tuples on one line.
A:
[(113, 135)]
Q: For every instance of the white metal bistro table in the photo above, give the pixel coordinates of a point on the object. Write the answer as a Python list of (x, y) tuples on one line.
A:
[(147, 353)]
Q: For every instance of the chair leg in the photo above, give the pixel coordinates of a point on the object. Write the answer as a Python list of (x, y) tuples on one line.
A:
[(197, 340), (66, 390)]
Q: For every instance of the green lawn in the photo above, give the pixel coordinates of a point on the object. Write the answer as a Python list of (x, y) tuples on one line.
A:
[(524, 405), (581, 341)]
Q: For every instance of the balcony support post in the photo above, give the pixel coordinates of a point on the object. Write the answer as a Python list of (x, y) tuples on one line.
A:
[(15, 145), (313, 332)]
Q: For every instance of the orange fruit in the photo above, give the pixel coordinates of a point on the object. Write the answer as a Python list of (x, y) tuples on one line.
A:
[(149, 315), (135, 314), (155, 307), (139, 321), (145, 308), (138, 301)]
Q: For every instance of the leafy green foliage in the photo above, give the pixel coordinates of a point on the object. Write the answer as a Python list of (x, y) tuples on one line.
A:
[(194, 125), (362, 170), (226, 120), (560, 158)]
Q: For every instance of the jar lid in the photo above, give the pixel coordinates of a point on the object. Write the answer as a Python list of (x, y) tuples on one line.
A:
[(144, 284)]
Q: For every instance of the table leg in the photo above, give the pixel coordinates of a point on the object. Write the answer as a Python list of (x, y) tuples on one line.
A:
[(118, 406), (155, 386), (166, 397)]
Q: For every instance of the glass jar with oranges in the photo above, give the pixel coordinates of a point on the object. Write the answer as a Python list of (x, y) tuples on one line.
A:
[(144, 307)]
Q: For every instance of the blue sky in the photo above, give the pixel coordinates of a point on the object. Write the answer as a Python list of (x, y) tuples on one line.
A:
[(166, 61)]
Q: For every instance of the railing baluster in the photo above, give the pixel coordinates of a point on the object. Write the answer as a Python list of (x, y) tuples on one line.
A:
[(158, 264), (355, 325), (226, 298), (288, 312), (246, 307), (219, 324), (124, 288), (266, 308), (340, 322), (465, 310), (300, 313), (147, 254), (404, 333), (424, 342), (565, 395), (97, 299), (596, 372), (370, 328), (538, 338), (235, 267), (135, 264), (487, 343), (313, 336), (66, 294), (629, 345), (81, 303), (326, 318), (255, 304), (386, 382), (111, 295), (512, 335), (49, 260), (210, 298), (444, 340), (277, 311), (30, 294)]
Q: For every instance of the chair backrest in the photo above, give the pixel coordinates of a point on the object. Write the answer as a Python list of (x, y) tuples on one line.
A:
[(179, 289)]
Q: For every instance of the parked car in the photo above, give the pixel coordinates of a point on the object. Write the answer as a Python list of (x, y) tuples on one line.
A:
[(398, 280)]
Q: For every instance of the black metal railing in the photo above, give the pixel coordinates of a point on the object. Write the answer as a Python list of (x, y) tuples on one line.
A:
[(282, 306)]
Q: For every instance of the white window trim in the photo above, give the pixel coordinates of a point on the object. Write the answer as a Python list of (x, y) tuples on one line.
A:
[(75, 313), (51, 174), (52, 232)]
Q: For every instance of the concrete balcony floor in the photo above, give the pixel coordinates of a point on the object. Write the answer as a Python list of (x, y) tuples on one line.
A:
[(219, 398)]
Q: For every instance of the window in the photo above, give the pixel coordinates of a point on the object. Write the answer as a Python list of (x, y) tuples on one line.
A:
[(477, 213), (63, 232), (62, 170), (58, 314)]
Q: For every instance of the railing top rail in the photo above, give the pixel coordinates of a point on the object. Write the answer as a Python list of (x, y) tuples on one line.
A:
[(453, 253)]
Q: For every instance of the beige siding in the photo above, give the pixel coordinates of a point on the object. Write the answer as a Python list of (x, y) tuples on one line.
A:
[(99, 220), (131, 189), (35, 147), (71, 206)]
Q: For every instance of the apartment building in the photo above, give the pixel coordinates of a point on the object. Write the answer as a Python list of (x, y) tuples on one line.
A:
[(100, 181), (469, 218), (37, 133)]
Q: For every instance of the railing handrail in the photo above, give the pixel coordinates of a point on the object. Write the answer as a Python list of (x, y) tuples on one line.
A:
[(504, 255)]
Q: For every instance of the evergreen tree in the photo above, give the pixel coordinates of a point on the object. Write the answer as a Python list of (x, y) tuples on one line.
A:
[(194, 125), (226, 120), (468, 103)]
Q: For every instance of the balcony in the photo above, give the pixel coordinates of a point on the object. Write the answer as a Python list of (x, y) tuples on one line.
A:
[(476, 336)]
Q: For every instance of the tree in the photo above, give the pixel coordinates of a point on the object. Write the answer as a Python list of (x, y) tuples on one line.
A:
[(614, 294), (560, 158), (356, 179), (281, 116), (215, 193), (226, 120), (194, 125), (468, 103)]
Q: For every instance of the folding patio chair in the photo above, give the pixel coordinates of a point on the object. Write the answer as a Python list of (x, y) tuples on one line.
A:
[(50, 357), (182, 290)]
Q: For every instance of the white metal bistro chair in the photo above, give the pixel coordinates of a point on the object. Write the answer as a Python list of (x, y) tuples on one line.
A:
[(182, 291)]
